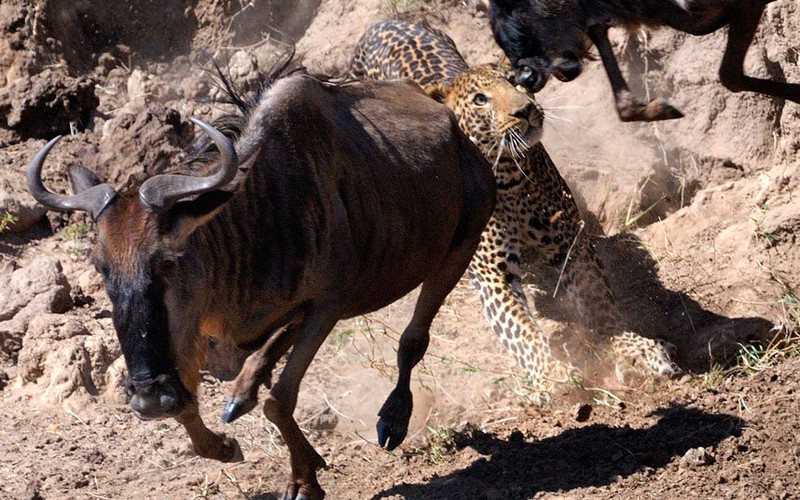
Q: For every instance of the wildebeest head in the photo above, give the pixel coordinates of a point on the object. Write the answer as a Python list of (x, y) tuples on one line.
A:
[(152, 278), (540, 38)]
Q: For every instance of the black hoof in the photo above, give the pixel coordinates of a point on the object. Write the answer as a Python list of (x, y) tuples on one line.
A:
[(389, 436), (236, 408), (236, 455)]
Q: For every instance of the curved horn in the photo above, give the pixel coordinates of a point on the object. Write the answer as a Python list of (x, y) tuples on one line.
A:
[(93, 200), (159, 193)]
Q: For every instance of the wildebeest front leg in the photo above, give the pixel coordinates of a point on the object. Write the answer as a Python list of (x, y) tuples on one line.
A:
[(282, 399), (744, 22), (206, 442), (396, 411), (257, 370), (629, 108)]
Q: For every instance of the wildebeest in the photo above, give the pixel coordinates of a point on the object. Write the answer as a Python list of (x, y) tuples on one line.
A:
[(326, 202), (548, 37)]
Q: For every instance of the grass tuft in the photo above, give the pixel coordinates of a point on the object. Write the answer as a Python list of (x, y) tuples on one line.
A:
[(6, 221)]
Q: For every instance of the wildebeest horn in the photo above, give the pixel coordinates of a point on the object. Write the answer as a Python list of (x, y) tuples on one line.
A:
[(92, 200), (162, 191)]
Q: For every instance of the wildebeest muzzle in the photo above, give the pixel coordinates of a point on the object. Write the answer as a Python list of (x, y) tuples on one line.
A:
[(155, 398), (533, 72)]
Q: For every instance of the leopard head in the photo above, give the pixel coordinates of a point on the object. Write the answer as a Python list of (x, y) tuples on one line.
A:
[(501, 120)]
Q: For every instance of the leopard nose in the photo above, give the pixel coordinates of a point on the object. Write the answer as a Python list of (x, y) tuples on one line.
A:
[(524, 112)]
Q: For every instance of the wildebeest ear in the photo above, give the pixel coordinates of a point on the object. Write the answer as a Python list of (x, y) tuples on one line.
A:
[(186, 216), (81, 178)]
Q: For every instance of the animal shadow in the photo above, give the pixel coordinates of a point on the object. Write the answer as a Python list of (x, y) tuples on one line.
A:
[(595, 455), (701, 337)]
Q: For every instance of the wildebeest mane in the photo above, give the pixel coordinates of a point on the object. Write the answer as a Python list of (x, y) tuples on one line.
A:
[(232, 124)]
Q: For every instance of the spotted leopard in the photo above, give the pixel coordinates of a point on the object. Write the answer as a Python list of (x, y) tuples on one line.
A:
[(535, 207)]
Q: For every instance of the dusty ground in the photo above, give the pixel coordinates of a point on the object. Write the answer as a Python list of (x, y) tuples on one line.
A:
[(700, 214)]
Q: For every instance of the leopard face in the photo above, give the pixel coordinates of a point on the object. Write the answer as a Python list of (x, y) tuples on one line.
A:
[(502, 121)]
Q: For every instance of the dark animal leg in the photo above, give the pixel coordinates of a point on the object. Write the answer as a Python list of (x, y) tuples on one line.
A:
[(629, 108), (744, 22), (206, 442), (396, 411), (257, 370), (282, 399)]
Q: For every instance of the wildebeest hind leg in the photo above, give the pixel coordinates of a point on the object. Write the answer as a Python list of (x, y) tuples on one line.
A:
[(282, 399), (396, 411), (744, 23), (207, 443), (256, 370), (629, 108)]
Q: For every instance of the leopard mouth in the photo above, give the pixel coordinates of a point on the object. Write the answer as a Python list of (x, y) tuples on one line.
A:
[(533, 134), (517, 140)]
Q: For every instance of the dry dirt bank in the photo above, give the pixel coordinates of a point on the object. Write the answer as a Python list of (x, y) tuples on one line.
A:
[(701, 215)]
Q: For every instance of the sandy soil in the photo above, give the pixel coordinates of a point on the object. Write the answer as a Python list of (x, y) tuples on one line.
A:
[(696, 221)]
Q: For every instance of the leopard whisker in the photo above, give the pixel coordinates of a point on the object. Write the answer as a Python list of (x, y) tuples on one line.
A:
[(518, 146), (500, 148), (522, 170)]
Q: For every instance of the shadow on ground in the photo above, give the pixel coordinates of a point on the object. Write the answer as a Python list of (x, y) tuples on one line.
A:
[(701, 337), (595, 455)]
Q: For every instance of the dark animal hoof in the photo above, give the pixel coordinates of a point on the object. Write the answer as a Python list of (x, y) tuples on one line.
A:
[(631, 109), (236, 454), (307, 492), (389, 435), (236, 408)]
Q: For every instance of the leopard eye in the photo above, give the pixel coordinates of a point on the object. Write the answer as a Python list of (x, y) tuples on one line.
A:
[(480, 100)]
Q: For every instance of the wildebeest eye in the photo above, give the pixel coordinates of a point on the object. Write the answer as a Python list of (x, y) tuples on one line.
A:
[(480, 100), (165, 266), (525, 72)]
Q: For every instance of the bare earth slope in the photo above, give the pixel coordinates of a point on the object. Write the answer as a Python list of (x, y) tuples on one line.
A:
[(700, 217)]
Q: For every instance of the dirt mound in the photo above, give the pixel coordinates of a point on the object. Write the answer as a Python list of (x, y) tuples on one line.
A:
[(47, 104)]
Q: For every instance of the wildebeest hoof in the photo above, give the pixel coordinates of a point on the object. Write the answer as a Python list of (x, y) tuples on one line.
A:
[(394, 416), (390, 435), (631, 109), (235, 408), (303, 492), (235, 451)]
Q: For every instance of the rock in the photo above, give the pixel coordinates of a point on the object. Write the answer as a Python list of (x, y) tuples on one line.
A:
[(47, 104), (60, 355), (137, 146), (91, 282), (582, 412), (696, 457), (27, 293), (15, 199)]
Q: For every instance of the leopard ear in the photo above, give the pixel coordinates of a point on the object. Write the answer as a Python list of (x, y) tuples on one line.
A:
[(438, 91)]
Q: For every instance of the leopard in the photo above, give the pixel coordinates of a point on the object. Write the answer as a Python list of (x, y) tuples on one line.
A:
[(536, 212)]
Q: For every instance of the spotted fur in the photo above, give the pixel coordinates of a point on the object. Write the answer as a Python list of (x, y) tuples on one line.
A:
[(535, 208)]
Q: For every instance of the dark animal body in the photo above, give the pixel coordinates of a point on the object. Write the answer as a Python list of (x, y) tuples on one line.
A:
[(549, 37), (328, 202)]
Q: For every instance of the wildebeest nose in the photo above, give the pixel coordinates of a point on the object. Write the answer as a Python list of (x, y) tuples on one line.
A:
[(154, 400), (531, 79), (567, 69)]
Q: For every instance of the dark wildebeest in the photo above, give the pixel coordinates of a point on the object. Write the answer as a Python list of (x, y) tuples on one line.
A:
[(548, 37), (327, 202)]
